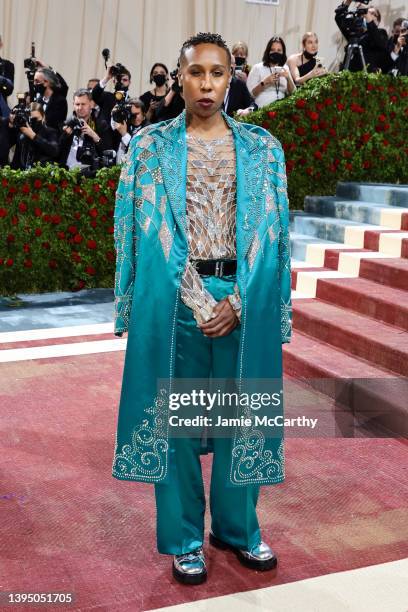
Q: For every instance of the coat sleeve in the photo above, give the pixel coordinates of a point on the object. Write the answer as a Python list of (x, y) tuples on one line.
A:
[(125, 240), (278, 169)]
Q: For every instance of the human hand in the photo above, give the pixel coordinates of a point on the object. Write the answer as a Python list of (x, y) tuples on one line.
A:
[(240, 74), (28, 131), (122, 128), (88, 131), (67, 130), (223, 323)]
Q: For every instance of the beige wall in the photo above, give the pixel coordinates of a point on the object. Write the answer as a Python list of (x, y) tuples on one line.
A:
[(70, 34)]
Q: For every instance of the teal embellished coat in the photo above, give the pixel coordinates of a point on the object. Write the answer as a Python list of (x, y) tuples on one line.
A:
[(152, 248)]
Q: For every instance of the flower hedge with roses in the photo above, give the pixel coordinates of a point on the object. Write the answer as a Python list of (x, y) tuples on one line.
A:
[(341, 127)]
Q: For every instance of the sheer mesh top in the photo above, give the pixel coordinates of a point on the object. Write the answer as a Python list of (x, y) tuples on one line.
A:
[(211, 219)]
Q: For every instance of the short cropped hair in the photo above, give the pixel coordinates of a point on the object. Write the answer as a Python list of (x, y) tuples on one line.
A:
[(204, 38), (79, 93)]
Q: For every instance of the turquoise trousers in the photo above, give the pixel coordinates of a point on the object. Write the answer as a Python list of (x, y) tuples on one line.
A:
[(181, 502)]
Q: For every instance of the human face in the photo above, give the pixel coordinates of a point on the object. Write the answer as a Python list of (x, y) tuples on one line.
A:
[(82, 107), (39, 79), (137, 115), (36, 115), (159, 70), (205, 74), (311, 44), (373, 12)]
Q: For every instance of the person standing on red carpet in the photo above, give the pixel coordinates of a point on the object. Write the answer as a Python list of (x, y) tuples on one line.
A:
[(202, 287)]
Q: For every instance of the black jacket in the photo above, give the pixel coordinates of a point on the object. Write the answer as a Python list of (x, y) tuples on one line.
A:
[(401, 63), (239, 97), (101, 128), (6, 79), (57, 107), (373, 41), (105, 100), (4, 141), (43, 148)]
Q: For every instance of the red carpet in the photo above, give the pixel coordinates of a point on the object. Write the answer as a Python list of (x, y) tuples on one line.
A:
[(67, 525)]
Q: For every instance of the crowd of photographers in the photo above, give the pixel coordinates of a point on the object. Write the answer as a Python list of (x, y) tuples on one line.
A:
[(102, 123)]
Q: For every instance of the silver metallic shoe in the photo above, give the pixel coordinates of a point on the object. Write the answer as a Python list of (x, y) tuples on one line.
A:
[(260, 557), (190, 568)]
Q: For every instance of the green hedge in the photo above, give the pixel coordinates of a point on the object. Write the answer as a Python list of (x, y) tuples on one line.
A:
[(56, 228), (341, 127)]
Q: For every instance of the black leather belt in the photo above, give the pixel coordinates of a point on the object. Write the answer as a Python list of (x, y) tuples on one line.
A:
[(215, 267)]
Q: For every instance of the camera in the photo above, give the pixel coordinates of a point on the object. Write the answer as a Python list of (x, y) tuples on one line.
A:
[(121, 112), (30, 64), (86, 154), (75, 124), (21, 112), (117, 70), (175, 86)]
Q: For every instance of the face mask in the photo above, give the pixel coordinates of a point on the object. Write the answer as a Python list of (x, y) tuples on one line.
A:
[(120, 87), (239, 61), (159, 79), (308, 55), (35, 124), (276, 58), (39, 89)]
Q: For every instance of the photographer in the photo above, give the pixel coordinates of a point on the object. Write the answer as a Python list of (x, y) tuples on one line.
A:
[(105, 99), (159, 75), (129, 120), (49, 89), (173, 103), (6, 83), (35, 141), (306, 65), (270, 80), (398, 49), (84, 137), (362, 27)]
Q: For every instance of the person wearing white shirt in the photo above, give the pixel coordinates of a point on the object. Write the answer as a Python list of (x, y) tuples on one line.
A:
[(270, 80)]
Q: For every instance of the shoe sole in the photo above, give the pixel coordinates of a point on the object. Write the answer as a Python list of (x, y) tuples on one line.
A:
[(263, 566), (189, 578)]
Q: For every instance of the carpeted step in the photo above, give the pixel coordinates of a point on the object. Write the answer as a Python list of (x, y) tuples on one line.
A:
[(366, 297), (375, 395), (379, 343), (327, 228), (390, 272)]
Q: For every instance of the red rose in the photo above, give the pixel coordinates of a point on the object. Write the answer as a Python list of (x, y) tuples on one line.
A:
[(51, 187), (92, 212), (91, 244), (77, 189), (103, 199), (379, 128), (78, 238), (272, 114), (76, 257), (110, 212), (35, 197), (328, 102), (64, 184), (104, 218), (28, 263), (93, 223), (37, 184), (90, 270), (80, 285), (96, 188), (77, 215), (323, 125), (349, 166), (385, 142), (61, 235), (302, 161), (110, 256), (301, 103), (72, 229), (4, 182), (37, 211), (332, 132), (46, 245), (366, 165), (90, 199), (296, 118), (387, 126), (370, 87), (14, 220), (309, 171), (55, 219), (340, 106), (53, 264), (111, 184), (25, 188), (318, 155), (366, 137), (300, 131), (3, 212), (382, 118), (14, 190), (9, 261), (110, 229), (356, 108), (290, 164), (10, 238), (313, 115), (315, 127), (394, 99), (38, 231), (26, 248), (47, 218)]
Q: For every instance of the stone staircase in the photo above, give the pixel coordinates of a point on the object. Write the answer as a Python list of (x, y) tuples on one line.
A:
[(350, 301)]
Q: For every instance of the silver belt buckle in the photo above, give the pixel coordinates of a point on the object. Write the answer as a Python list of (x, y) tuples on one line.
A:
[(219, 268)]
